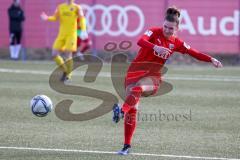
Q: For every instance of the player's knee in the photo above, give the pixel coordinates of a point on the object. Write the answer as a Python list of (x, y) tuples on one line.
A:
[(55, 53), (136, 90), (150, 92), (68, 55), (144, 91)]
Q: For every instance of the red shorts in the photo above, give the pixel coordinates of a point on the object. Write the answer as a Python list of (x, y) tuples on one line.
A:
[(134, 78)]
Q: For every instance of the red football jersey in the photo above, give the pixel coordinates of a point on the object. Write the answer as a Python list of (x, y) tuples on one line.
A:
[(149, 63)]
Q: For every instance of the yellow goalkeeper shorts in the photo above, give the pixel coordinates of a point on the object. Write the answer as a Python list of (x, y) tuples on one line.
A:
[(66, 43)]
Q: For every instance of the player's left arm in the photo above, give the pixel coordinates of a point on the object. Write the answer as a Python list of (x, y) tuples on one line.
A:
[(82, 24), (185, 48)]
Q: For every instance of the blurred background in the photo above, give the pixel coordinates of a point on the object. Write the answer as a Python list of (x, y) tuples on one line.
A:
[(210, 26)]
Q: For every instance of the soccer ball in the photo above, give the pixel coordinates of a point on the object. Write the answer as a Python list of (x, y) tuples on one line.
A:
[(41, 105)]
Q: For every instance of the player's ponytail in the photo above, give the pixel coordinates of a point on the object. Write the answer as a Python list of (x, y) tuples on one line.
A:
[(172, 14)]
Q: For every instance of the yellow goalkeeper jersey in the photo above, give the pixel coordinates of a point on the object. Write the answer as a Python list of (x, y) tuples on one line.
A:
[(68, 15)]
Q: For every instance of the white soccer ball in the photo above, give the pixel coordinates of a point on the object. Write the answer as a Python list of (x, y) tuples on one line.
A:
[(41, 105)]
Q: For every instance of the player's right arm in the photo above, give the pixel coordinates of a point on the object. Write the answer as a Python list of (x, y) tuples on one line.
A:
[(52, 18), (144, 42)]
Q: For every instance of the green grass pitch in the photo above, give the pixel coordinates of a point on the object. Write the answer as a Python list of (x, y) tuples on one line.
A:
[(209, 97)]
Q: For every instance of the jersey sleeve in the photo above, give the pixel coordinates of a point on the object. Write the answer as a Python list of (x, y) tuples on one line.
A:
[(184, 48), (144, 40), (54, 17)]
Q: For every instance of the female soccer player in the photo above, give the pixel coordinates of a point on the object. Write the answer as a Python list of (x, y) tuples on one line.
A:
[(66, 41), (16, 18), (144, 73)]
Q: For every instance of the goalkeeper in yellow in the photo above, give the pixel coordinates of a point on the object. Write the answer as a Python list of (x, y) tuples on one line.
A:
[(66, 42)]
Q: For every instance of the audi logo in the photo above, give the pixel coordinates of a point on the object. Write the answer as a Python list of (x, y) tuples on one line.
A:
[(100, 24)]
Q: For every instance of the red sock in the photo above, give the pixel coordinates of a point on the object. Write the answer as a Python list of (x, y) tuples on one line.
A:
[(132, 99), (130, 123)]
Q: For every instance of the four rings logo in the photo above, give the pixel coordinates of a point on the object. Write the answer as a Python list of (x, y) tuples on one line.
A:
[(104, 20)]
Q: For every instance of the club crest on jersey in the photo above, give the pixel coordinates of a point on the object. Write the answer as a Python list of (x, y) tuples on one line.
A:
[(171, 46), (71, 9)]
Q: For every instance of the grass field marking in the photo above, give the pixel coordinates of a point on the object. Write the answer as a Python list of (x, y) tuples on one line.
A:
[(108, 152), (108, 74)]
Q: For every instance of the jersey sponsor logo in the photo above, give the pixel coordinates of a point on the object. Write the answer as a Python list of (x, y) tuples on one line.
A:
[(106, 15), (186, 45), (148, 33), (163, 56), (67, 13)]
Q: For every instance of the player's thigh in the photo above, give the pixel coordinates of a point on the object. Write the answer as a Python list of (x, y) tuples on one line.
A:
[(149, 85), (71, 44), (146, 84), (59, 43), (18, 37), (67, 54)]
